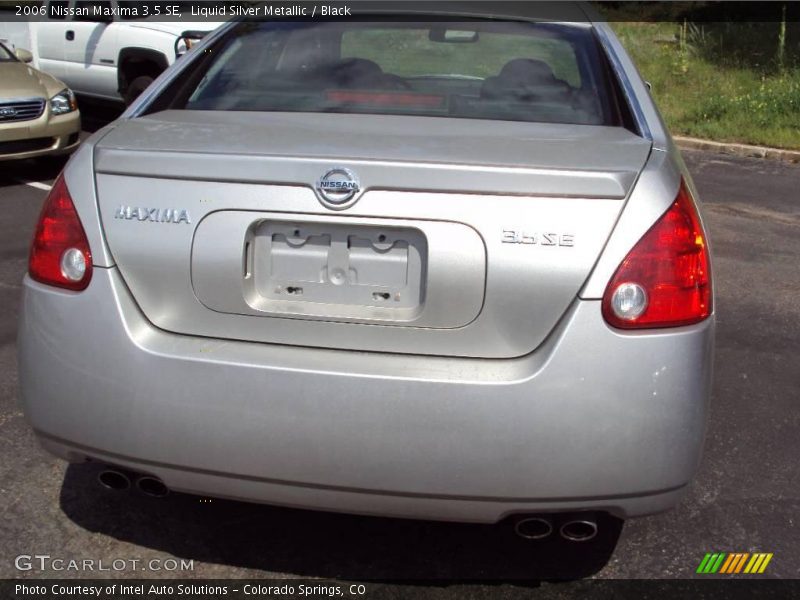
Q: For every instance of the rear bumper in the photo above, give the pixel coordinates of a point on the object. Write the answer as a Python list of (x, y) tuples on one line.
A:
[(594, 419)]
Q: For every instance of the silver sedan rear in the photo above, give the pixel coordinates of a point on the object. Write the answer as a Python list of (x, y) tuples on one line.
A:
[(432, 269)]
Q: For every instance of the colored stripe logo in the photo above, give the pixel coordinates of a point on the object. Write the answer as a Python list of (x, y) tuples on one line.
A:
[(733, 563)]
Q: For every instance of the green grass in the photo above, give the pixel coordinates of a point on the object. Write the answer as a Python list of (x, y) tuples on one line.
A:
[(707, 90)]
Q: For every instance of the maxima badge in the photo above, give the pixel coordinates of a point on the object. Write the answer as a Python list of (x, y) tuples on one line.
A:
[(337, 189)]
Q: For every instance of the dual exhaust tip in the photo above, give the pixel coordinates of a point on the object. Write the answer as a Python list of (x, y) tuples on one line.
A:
[(113, 479), (573, 530), (528, 528)]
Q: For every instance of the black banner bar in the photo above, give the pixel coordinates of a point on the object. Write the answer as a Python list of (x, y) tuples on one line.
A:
[(217, 11), (259, 589)]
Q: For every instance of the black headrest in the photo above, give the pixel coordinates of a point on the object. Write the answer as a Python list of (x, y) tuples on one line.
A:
[(527, 71), (355, 68)]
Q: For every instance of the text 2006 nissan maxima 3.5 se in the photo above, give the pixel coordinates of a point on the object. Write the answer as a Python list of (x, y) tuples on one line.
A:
[(440, 268)]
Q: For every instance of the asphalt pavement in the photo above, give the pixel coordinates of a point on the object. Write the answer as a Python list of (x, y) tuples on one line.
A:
[(746, 497)]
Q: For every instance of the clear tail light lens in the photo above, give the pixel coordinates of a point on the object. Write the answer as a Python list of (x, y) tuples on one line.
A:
[(60, 253), (665, 281)]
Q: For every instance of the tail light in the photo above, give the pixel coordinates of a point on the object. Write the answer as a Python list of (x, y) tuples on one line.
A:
[(665, 281), (60, 253)]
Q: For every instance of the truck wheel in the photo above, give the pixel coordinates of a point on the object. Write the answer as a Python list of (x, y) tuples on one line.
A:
[(136, 87)]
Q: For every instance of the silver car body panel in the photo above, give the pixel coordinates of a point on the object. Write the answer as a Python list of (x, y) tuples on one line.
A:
[(400, 152), (594, 418), (415, 173), (525, 401)]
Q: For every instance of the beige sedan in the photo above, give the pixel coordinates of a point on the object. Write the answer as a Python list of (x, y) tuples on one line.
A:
[(38, 113)]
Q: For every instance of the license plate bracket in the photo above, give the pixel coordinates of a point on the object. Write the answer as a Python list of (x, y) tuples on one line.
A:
[(344, 267)]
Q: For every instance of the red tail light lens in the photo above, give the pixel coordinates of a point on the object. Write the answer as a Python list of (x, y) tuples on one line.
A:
[(665, 281), (60, 253)]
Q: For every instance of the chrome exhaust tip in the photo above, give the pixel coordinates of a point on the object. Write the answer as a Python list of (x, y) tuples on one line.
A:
[(579, 531), (152, 486), (112, 479), (533, 528)]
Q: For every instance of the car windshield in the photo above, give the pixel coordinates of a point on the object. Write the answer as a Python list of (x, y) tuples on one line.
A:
[(519, 71), (6, 55)]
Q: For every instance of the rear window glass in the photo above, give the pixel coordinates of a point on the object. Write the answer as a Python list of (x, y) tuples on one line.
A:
[(411, 52), (474, 69)]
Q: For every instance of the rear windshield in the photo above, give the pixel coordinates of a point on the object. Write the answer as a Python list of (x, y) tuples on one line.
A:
[(473, 69)]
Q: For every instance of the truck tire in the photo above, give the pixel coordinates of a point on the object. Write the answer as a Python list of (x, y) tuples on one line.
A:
[(136, 87)]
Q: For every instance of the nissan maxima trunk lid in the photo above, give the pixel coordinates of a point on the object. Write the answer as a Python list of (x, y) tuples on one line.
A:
[(465, 239)]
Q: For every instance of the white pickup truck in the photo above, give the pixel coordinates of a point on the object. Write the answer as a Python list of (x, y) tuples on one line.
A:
[(106, 49)]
